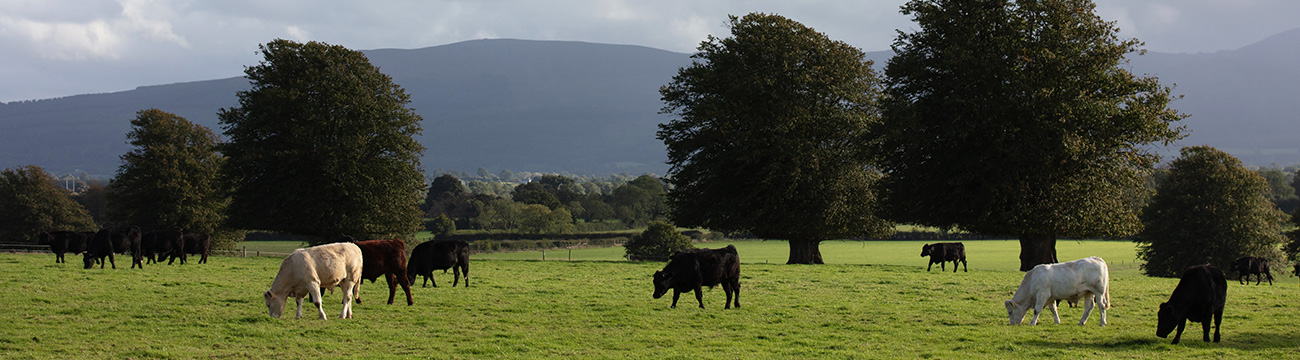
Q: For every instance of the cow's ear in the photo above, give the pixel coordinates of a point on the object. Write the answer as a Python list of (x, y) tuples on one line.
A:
[(267, 294)]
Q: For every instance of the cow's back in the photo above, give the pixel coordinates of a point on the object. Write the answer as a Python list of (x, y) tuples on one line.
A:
[(1201, 288)]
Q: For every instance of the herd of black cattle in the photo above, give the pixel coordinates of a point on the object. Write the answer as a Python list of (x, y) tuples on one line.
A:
[(1199, 296)]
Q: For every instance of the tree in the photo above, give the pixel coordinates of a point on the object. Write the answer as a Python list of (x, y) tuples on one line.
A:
[(640, 201), (170, 179), (771, 136), (1209, 209), (322, 144), (32, 203), (1019, 118), (94, 198), (659, 241), (535, 193), (441, 226), (446, 196), (538, 219)]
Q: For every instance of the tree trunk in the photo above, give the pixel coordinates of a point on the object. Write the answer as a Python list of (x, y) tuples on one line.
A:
[(1037, 249), (805, 252)]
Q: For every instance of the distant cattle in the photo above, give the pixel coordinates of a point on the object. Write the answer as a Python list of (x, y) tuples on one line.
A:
[(1249, 265), (942, 253), (385, 258), (1296, 270), (306, 272), (1087, 279), (439, 255), (63, 242), (693, 269), (1199, 297), (162, 244), (108, 241), (197, 244)]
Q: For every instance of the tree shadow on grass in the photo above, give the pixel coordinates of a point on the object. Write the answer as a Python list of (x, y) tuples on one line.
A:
[(1246, 340)]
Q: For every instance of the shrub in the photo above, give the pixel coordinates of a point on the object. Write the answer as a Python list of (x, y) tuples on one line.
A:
[(658, 241)]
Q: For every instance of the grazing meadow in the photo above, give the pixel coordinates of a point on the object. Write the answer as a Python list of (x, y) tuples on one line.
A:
[(871, 300)]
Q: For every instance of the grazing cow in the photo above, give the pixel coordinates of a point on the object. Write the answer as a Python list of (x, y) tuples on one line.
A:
[(62, 242), (942, 253), (1200, 296), (108, 241), (1249, 265), (385, 258), (159, 244), (439, 255), (1087, 278), (692, 269), (197, 244), (306, 271), (1296, 270)]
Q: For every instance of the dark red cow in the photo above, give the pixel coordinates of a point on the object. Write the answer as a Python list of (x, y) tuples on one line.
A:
[(197, 244), (692, 269), (385, 258), (439, 255)]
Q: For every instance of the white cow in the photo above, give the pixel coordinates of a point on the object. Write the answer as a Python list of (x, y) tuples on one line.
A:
[(1044, 284), (307, 271)]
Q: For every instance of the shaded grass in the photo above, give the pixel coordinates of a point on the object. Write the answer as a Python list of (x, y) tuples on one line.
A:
[(557, 309)]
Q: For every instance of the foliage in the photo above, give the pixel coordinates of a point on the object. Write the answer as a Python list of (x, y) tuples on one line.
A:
[(448, 197), (535, 193), (1292, 248), (657, 242), (169, 180), (496, 214), (32, 203), (94, 198), (538, 219), (770, 136), (322, 144), (441, 226), (640, 201), (1019, 118), (1209, 209)]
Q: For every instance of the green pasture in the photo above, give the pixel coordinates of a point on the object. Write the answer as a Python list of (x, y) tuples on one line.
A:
[(850, 308)]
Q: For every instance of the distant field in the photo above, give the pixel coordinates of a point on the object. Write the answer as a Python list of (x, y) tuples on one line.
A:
[(603, 309)]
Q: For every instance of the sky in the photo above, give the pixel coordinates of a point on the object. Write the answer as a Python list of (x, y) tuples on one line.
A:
[(55, 48)]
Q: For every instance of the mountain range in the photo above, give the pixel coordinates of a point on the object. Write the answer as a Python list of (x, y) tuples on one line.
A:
[(585, 108)]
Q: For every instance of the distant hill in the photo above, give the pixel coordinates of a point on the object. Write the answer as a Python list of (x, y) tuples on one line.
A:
[(585, 108)]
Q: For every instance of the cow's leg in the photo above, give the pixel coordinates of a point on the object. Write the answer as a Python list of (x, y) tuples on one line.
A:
[(110, 261), (432, 280), (406, 288), (299, 301), (1218, 319), (348, 290), (954, 266), (726, 288), (392, 287), (928, 266), (58, 258), (736, 286), (1179, 334), (943, 265), (204, 260), (1088, 301), (1056, 316), (699, 296), (314, 292), (963, 266), (676, 293), (1270, 277), (464, 270)]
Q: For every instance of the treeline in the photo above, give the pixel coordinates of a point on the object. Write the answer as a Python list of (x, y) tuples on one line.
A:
[(543, 204)]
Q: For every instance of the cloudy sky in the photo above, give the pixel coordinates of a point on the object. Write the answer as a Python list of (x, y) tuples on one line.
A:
[(53, 48)]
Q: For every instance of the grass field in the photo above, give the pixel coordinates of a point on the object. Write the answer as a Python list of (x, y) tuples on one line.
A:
[(874, 300)]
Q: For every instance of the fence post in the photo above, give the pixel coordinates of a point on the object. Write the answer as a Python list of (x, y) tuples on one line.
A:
[(543, 254), (245, 251), (570, 254)]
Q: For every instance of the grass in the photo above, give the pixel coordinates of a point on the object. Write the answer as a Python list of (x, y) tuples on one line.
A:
[(852, 308)]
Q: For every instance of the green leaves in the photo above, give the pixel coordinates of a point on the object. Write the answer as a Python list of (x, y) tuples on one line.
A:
[(323, 144), (170, 179), (32, 203)]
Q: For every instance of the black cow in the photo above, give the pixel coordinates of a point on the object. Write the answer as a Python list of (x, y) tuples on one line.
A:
[(62, 242), (1296, 271), (1250, 265), (439, 255), (1200, 296), (160, 244), (942, 253), (693, 269), (108, 241), (197, 244)]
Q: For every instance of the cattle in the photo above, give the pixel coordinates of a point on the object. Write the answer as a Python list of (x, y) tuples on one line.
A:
[(63, 242), (1199, 296), (1249, 265), (1087, 279), (385, 258), (439, 255), (108, 241), (306, 272), (160, 244), (1296, 270), (197, 244), (942, 253), (692, 269)]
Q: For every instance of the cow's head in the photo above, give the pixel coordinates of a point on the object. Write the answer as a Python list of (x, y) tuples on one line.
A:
[(1167, 320), (663, 282), (44, 238), (925, 250), (1015, 312), (274, 304), (88, 259)]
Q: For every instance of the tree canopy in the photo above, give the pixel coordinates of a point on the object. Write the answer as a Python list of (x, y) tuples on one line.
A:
[(770, 136), (1019, 118), (170, 179), (322, 144), (1209, 209), (32, 203)]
